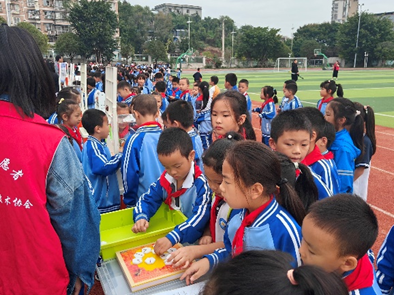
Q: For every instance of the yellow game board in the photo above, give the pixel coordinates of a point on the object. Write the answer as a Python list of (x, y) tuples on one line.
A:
[(143, 268)]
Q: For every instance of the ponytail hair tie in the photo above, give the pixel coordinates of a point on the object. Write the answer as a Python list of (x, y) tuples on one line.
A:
[(366, 109), (282, 182), (290, 276), (61, 100), (357, 113)]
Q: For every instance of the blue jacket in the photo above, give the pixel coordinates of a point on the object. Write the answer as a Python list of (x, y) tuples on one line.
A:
[(99, 86), (91, 100), (100, 168), (195, 204), (285, 105), (322, 189), (53, 119), (149, 85), (203, 122), (273, 229), (248, 104), (267, 114), (145, 90), (385, 264), (345, 154), (197, 147), (140, 163)]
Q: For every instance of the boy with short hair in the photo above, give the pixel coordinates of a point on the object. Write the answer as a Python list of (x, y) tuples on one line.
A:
[(169, 85), (291, 133), (175, 91), (182, 186), (290, 101), (180, 114), (184, 85), (230, 82), (325, 142), (100, 168), (161, 89), (140, 164), (93, 92), (98, 79), (337, 234), (194, 94), (243, 87), (125, 92), (214, 90), (314, 159)]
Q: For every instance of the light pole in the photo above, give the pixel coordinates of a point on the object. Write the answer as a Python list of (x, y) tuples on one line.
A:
[(358, 33), (232, 47), (189, 22)]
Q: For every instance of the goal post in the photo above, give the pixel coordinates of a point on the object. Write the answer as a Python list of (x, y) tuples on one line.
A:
[(283, 64)]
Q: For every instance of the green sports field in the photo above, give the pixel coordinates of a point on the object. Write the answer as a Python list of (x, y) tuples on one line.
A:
[(369, 87)]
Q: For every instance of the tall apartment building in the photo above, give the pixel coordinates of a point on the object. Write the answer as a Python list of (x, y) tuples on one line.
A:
[(179, 9), (342, 9), (49, 16)]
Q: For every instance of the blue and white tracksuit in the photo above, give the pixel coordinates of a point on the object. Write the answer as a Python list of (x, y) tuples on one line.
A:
[(197, 147), (273, 229), (140, 164), (267, 114), (100, 168), (204, 127), (385, 264), (287, 105), (194, 203)]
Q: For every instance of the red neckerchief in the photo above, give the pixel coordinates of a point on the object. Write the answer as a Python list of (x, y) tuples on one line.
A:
[(150, 124), (362, 277), (131, 94), (124, 132), (163, 95), (199, 98), (184, 93), (329, 156), (167, 186), (313, 157), (212, 221), (297, 172), (245, 94), (324, 100), (249, 218), (74, 132), (266, 102), (174, 91)]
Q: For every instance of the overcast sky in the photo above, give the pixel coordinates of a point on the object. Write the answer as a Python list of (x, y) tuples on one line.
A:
[(281, 14)]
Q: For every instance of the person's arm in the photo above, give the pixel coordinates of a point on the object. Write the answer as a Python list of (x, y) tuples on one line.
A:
[(358, 172), (193, 228), (268, 112), (99, 162), (73, 214), (385, 264), (131, 169), (149, 203)]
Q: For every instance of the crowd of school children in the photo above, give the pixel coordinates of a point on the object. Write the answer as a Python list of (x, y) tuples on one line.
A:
[(288, 215)]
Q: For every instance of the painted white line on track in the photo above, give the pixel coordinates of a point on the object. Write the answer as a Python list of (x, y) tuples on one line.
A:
[(385, 133), (382, 211), (381, 170), (386, 148)]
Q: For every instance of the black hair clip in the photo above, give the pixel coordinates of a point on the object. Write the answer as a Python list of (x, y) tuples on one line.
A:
[(282, 181)]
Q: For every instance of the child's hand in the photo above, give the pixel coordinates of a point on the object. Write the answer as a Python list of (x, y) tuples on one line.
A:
[(183, 256), (195, 271), (140, 226), (205, 240), (162, 245)]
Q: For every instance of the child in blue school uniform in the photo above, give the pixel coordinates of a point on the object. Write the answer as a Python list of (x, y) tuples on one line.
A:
[(291, 134), (65, 94), (314, 159), (175, 92), (264, 223), (184, 85), (161, 89), (180, 114), (93, 93), (203, 117), (267, 111), (140, 163), (243, 87), (99, 166), (290, 101), (337, 234), (385, 264), (327, 91), (221, 213), (347, 146), (141, 78), (182, 186), (69, 115), (97, 76)]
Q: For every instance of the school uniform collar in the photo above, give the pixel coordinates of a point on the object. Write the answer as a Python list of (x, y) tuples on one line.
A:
[(361, 277), (189, 180), (313, 157), (4, 97), (267, 213), (94, 139), (192, 132), (234, 87)]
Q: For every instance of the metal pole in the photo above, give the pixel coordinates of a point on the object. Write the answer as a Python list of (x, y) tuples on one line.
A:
[(358, 34), (232, 47), (223, 40), (189, 22)]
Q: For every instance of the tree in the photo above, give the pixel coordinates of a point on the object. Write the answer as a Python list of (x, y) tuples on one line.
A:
[(307, 48), (95, 24), (259, 43), (325, 35), (162, 27), (126, 50), (373, 30), (3, 20), (68, 44), (385, 51), (40, 38), (156, 49)]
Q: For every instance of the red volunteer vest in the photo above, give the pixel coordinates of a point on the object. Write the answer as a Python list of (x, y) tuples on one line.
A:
[(30, 250)]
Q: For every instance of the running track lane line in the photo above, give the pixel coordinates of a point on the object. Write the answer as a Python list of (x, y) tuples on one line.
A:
[(381, 210), (381, 170)]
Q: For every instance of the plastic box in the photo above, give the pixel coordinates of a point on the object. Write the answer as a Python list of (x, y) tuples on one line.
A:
[(116, 234)]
